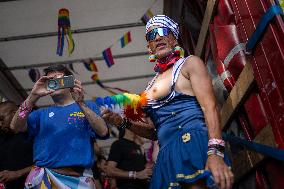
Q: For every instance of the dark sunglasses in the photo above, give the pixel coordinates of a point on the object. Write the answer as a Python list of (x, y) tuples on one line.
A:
[(151, 35)]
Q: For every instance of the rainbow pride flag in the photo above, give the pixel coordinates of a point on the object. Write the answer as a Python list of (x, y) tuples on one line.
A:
[(147, 16), (125, 39), (108, 57), (90, 65), (64, 30)]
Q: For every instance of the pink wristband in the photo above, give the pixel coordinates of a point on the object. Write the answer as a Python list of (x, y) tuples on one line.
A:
[(215, 141), (24, 110)]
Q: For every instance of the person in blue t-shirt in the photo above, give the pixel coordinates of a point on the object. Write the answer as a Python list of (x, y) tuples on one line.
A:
[(62, 133)]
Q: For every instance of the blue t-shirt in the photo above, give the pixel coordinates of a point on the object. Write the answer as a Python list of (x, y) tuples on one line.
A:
[(62, 136)]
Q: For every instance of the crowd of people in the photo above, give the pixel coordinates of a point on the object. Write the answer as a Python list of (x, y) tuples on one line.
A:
[(55, 147)]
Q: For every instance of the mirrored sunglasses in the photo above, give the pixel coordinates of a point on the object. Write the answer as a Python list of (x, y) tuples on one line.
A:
[(151, 35)]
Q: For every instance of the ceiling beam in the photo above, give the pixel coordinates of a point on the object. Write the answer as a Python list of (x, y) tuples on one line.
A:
[(1, 1), (76, 31), (74, 61), (9, 86), (112, 80)]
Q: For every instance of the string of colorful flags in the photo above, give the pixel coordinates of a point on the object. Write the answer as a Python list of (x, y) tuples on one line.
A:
[(91, 66), (64, 31)]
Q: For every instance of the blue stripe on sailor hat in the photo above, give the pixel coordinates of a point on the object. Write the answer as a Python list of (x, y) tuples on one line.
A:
[(163, 21)]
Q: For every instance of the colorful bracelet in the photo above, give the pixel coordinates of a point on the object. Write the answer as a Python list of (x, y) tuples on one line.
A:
[(218, 147), (214, 151), (24, 110), (217, 141)]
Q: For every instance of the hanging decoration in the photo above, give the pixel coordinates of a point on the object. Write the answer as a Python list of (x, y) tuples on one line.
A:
[(90, 65), (147, 16), (107, 88), (125, 39), (108, 57), (129, 104), (34, 74), (64, 31)]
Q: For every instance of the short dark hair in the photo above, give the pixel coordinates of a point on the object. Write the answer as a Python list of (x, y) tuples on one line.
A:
[(60, 68)]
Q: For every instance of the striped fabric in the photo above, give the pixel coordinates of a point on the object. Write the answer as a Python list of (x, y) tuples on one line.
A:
[(43, 178), (160, 102), (108, 57), (163, 21), (125, 39)]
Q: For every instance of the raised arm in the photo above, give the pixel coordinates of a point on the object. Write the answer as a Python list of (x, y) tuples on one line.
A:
[(19, 121), (97, 123)]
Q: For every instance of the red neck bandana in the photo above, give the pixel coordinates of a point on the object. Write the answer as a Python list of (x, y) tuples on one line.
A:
[(165, 64)]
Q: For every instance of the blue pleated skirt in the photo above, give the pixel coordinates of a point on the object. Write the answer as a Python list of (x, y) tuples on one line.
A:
[(182, 158)]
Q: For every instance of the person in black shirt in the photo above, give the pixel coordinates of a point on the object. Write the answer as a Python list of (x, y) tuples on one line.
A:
[(15, 150), (95, 169), (127, 163)]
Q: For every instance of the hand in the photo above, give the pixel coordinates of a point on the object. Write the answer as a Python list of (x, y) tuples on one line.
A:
[(39, 89), (222, 174), (104, 168), (111, 117), (145, 174), (6, 176), (77, 91)]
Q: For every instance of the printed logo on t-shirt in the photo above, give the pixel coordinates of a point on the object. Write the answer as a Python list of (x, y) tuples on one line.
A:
[(79, 114), (77, 119), (51, 114)]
